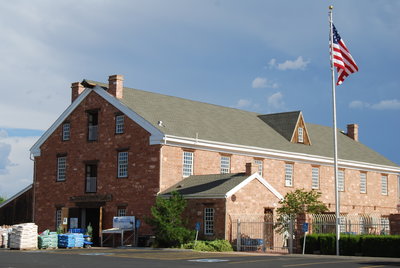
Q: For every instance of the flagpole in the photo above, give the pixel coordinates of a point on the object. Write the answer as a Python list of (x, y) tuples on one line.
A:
[(335, 151)]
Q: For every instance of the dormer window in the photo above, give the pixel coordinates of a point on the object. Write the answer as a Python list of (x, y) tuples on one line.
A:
[(300, 137)]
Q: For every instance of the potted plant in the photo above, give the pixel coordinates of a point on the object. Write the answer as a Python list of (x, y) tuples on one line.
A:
[(89, 232)]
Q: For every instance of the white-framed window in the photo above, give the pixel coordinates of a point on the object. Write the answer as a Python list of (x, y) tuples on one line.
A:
[(341, 180), (119, 124), (288, 174), (61, 168), (122, 164), (363, 183), (300, 136), (259, 164), (58, 217), (315, 178), (384, 185), (225, 165), (209, 221), (121, 212), (187, 164), (66, 131)]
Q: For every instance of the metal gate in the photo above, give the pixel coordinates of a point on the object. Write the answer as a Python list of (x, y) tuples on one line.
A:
[(262, 237)]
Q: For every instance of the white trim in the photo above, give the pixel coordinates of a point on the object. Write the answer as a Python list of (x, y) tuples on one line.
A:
[(155, 138), (156, 135), (248, 180), (16, 195), (35, 150), (271, 153)]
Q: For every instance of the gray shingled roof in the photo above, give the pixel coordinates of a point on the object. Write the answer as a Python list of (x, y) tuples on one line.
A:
[(187, 118), (284, 123), (207, 185)]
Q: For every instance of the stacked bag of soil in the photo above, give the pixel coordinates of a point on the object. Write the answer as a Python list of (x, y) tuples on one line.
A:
[(24, 236), (4, 232), (48, 239), (73, 240)]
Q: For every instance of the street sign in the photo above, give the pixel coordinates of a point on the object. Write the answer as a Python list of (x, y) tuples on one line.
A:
[(305, 227), (197, 227), (137, 225)]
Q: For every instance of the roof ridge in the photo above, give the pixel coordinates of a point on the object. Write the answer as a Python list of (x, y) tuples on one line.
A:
[(104, 85)]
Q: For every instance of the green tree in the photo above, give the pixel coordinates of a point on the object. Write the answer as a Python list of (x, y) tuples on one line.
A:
[(167, 222), (2, 199), (298, 202)]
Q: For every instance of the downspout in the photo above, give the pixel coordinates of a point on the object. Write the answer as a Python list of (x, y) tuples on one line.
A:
[(33, 187)]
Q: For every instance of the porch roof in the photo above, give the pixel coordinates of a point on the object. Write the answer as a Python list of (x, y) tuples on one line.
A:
[(213, 185)]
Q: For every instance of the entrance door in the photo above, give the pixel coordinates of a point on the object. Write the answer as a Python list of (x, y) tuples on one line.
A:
[(92, 216), (269, 228)]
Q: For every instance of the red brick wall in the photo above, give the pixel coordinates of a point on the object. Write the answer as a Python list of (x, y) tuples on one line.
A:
[(195, 213), (352, 201), (138, 190)]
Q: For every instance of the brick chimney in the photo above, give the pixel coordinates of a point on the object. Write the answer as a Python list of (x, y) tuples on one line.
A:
[(352, 131), (76, 89), (116, 85), (251, 169)]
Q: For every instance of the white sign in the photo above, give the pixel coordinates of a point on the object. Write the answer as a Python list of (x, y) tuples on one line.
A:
[(73, 223), (125, 222)]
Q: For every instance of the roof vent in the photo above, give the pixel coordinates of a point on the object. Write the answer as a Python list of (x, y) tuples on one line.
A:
[(160, 123)]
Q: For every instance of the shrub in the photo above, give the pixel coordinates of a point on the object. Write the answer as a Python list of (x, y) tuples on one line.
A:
[(211, 246), (367, 245), (312, 243), (167, 221)]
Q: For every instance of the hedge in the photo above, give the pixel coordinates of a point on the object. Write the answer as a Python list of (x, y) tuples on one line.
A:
[(215, 245), (352, 245)]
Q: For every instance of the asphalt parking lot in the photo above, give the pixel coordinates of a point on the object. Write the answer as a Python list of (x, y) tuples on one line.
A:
[(130, 257)]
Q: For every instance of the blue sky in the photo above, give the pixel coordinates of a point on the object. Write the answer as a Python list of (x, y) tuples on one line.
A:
[(258, 55)]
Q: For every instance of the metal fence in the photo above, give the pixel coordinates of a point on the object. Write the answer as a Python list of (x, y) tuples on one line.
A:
[(350, 224), (255, 234)]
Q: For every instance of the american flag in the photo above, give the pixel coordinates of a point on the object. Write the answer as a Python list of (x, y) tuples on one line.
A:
[(342, 60)]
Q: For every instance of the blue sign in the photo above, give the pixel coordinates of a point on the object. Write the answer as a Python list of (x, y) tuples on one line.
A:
[(137, 225), (197, 227), (305, 227)]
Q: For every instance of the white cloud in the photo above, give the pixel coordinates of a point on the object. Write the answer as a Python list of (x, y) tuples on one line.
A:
[(5, 162), (387, 105), (275, 102), (297, 64), (272, 63), (19, 168), (262, 82), (242, 103), (356, 104), (382, 105)]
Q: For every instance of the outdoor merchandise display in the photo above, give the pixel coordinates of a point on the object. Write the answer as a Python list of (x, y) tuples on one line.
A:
[(72, 240), (4, 232), (24, 236), (48, 239)]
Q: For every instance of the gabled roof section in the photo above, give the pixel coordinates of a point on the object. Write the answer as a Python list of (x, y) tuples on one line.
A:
[(157, 135), (288, 124), (216, 185), (12, 198)]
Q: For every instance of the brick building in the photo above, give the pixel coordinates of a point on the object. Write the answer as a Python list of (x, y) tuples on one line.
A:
[(114, 149)]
